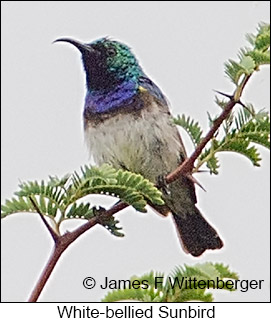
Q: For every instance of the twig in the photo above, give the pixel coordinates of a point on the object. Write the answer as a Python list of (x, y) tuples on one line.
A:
[(46, 273), (54, 235), (62, 243), (187, 166)]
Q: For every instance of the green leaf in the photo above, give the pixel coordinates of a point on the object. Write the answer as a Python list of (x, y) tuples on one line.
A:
[(98, 175), (242, 147), (257, 131), (251, 58), (248, 64), (191, 127), (56, 181), (111, 224), (126, 294), (173, 287), (260, 58), (52, 192), (241, 131), (213, 165), (19, 204), (262, 39), (80, 210), (224, 271), (62, 194), (131, 188), (139, 190), (234, 71), (222, 103)]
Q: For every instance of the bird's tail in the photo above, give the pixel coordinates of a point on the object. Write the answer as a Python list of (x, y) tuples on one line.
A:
[(195, 233)]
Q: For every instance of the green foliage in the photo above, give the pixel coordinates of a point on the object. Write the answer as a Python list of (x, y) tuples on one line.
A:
[(250, 59), (191, 127), (82, 210), (18, 205), (111, 224), (244, 128), (187, 283), (59, 197), (261, 41), (239, 134)]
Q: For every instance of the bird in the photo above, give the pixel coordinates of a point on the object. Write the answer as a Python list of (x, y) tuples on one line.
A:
[(128, 124)]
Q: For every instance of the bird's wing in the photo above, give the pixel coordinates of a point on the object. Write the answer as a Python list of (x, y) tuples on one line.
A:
[(146, 84)]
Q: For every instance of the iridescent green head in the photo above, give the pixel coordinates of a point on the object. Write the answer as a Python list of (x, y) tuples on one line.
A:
[(107, 63)]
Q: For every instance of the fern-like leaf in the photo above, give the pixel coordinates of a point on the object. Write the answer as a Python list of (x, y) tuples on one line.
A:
[(251, 58), (213, 164), (234, 71), (155, 287), (79, 210), (23, 204), (242, 131), (259, 57), (52, 192), (110, 223), (62, 194), (140, 184), (191, 127), (262, 39)]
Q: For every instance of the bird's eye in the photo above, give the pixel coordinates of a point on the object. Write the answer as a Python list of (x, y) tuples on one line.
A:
[(111, 51)]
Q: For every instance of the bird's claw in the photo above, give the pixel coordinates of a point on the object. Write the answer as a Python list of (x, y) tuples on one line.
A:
[(162, 184), (98, 212)]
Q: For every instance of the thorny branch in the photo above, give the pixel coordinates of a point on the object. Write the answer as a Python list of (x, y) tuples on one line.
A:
[(63, 241)]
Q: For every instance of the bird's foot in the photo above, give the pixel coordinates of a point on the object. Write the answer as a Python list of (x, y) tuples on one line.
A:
[(98, 212), (162, 184)]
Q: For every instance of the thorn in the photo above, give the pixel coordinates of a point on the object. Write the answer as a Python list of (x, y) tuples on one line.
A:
[(224, 94), (242, 104), (202, 171), (118, 202), (193, 180)]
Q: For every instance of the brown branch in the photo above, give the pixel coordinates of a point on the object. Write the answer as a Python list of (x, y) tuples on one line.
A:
[(62, 242), (46, 273), (187, 166), (93, 221)]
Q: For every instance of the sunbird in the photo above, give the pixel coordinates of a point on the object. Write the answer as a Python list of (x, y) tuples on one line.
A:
[(128, 124)]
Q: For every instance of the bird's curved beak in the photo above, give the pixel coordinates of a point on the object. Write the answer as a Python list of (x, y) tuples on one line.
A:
[(80, 46)]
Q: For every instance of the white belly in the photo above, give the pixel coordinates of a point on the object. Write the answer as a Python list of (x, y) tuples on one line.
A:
[(148, 145)]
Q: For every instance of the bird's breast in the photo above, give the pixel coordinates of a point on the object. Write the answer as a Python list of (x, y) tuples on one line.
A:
[(147, 142)]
